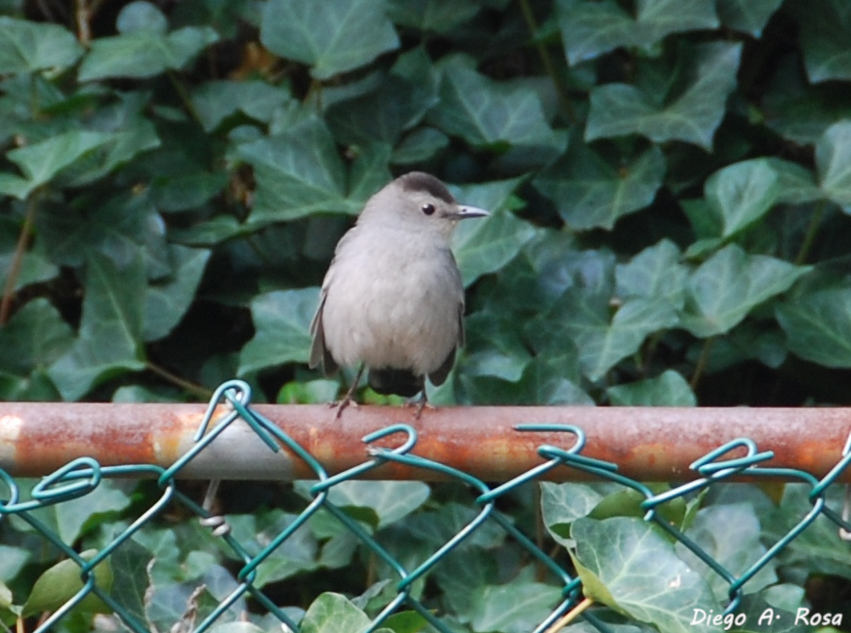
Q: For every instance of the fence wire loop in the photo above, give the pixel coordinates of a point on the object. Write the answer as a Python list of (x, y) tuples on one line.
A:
[(231, 403), (229, 391), (378, 451), (74, 479), (710, 466)]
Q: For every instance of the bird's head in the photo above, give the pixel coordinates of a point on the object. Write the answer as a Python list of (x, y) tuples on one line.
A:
[(418, 201)]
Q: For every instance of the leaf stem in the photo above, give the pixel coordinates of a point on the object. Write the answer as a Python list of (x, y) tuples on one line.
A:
[(812, 230), (547, 61), (571, 615), (184, 96), (17, 258), (315, 88), (81, 14), (701, 363), (195, 389)]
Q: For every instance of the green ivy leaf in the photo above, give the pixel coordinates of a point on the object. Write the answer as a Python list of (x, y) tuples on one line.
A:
[(281, 323), (34, 337), (121, 228), (494, 115), (669, 389), (742, 193), (74, 517), (308, 391), (589, 192), (368, 174), (298, 173), (484, 245), (815, 545), (799, 111), (133, 137), (27, 46), (217, 229), (41, 161), (141, 16), (406, 622), (167, 300), (693, 116), (824, 39), (747, 16), (515, 607), (591, 28), (735, 555), (553, 379), (550, 378), (655, 273), (398, 103), (818, 325), (109, 342), (34, 265), (185, 191), (584, 317), (627, 564), (494, 348), (795, 184), (727, 286), (12, 560), (332, 36), (334, 613), (438, 16), (299, 553), (144, 53), (833, 163), (62, 581), (391, 501), (215, 100), (419, 146), (747, 341), (30, 341), (563, 503)]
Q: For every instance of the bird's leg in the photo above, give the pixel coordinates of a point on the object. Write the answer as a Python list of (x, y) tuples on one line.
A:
[(349, 397), (422, 403)]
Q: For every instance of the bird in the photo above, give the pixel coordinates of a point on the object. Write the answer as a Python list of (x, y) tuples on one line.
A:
[(392, 300)]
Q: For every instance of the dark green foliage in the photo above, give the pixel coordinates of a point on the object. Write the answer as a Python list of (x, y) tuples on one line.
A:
[(179, 176), (669, 182)]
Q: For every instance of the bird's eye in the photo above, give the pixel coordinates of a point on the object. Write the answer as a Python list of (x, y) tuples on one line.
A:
[(428, 208)]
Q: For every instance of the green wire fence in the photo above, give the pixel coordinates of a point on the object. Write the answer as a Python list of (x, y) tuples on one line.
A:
[(83, 475)]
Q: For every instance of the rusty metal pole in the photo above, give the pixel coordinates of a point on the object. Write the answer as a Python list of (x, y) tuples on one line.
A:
[(647, 443)]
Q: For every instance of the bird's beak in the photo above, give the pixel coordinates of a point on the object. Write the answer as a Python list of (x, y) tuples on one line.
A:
[(466, 211)]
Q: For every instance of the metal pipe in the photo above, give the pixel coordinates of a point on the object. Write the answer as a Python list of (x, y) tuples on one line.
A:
[(647, 443)]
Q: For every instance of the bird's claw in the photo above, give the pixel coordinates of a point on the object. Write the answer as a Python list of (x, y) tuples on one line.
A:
[(342, 404)]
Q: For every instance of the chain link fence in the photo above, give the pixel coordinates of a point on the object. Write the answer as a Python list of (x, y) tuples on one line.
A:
[(83, 475)]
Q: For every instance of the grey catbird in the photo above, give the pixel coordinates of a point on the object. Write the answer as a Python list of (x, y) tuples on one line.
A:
[(392, 299)]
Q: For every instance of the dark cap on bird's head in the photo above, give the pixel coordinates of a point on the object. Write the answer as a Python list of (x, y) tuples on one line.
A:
[(421, 181)]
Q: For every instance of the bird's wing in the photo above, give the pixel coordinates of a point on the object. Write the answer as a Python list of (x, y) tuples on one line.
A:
[(439, 375), (319, 354)]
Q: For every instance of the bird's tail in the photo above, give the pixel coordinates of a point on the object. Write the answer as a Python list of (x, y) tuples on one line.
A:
[(399, 381)]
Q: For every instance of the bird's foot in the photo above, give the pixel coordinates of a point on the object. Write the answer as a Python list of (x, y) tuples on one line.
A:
[(349, 398), (420, 404)]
